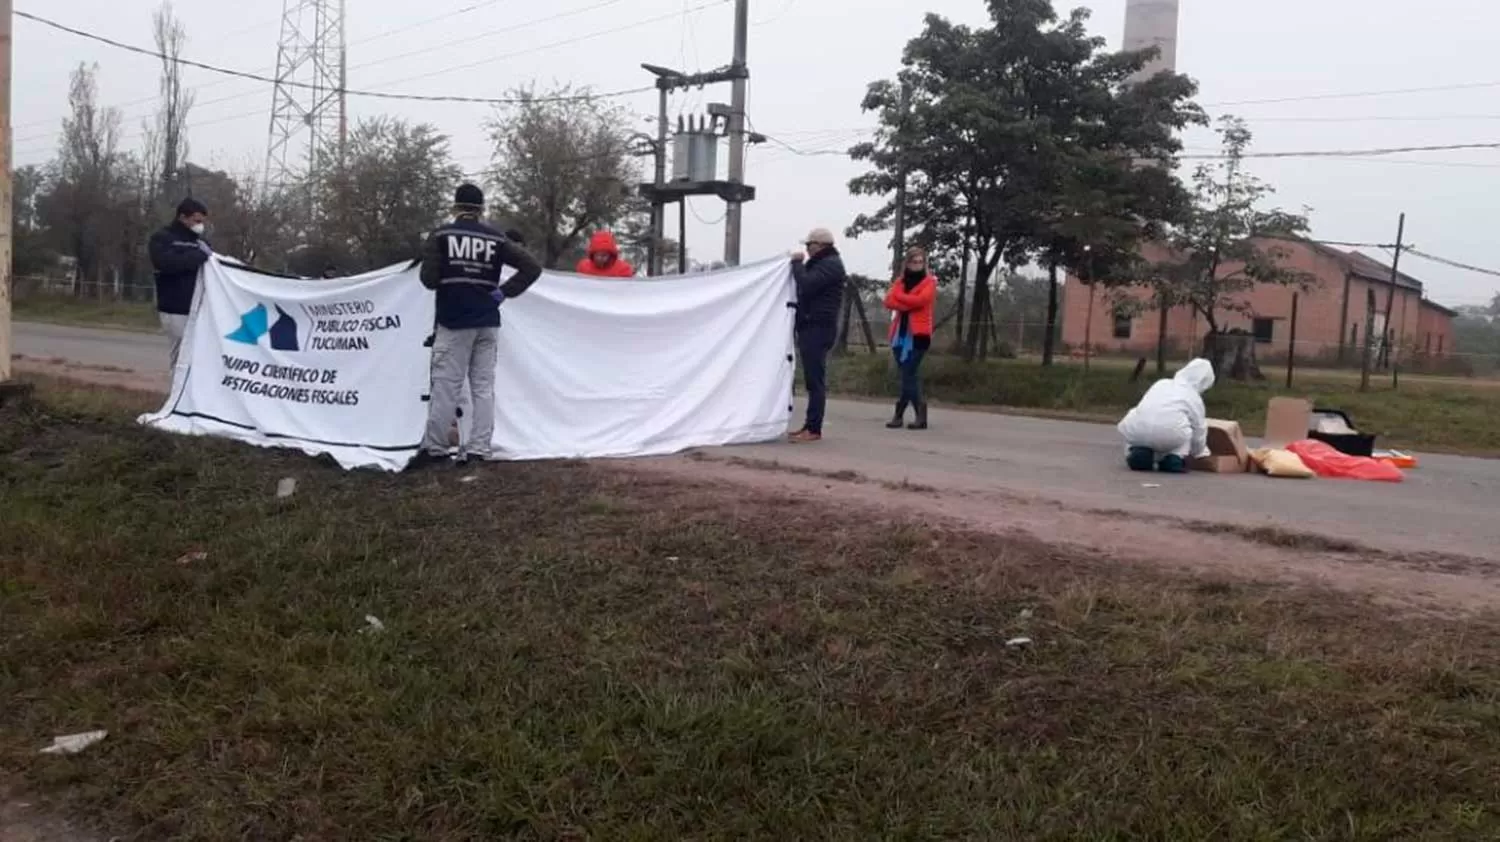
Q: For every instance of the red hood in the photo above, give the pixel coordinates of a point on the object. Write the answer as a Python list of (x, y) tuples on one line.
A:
[(603, 241), (616, 267)]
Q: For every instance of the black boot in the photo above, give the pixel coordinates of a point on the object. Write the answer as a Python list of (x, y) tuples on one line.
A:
[(900, 420), (921, 422)]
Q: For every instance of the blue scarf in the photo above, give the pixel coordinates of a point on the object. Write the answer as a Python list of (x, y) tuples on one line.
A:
[(904, 341)]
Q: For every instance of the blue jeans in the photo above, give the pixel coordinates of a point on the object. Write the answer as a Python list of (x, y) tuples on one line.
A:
[(911, 382), (1145, 459), (813, 345)]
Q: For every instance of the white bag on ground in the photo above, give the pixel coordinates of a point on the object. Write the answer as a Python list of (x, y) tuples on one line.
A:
[(1170, 417)]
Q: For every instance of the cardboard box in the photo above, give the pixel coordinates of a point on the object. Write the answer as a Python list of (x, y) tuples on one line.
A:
[(1228, 453), (1287, 420)]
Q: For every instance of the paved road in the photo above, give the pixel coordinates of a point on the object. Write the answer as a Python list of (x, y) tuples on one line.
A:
[(1448, 505)]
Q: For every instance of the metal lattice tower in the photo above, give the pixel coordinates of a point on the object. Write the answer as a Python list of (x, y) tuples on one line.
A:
[(308, 114)]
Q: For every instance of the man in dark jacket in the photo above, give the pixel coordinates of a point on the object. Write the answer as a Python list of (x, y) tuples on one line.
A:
[(462, 262), (177, 252), (820, 280)]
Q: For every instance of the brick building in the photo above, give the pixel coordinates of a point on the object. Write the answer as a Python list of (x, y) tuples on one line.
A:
[(1330, 314)]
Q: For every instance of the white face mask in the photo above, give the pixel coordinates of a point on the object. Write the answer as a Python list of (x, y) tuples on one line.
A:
[(199, 229)]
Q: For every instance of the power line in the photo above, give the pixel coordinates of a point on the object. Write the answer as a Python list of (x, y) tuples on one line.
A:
[(710, 222), (1465, 86), (1390, 118), (376, 37), (1347, 153), (1448, 164), (490, 33), (1453, 263), (1321, 153), (1357, 245), (613, 31), (361, 93), (564, 42)]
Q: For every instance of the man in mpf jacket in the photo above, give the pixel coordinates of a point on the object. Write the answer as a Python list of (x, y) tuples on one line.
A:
[(462, 262)]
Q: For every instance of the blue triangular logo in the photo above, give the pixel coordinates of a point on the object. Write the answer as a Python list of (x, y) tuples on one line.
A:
[(253, 325)]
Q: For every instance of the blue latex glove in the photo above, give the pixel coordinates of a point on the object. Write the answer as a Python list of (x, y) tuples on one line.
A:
[(203, 247), (498, 296)]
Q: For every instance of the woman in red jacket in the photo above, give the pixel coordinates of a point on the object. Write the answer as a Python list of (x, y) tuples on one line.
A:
[(911, 302)]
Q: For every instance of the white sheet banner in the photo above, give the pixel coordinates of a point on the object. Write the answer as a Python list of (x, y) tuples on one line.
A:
[(587, 367)]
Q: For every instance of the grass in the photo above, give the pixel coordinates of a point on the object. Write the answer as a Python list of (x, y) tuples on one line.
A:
[(573, 652), (1436, 415), (84, 312)]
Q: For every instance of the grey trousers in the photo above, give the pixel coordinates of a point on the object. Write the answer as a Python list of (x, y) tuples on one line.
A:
[(456, 355), (173, 325)]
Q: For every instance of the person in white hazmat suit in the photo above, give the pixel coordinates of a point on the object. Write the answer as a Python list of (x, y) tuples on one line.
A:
[(1170, 424)]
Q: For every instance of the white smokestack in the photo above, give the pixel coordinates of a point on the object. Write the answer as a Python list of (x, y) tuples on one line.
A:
[(1152, 23)]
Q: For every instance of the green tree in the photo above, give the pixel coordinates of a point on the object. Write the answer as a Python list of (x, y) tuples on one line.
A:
[(1021, 140), (31, 254), (1226, 245), (393, 183), (563, 167)]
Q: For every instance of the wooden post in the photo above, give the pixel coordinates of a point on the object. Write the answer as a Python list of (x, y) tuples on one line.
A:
[(1291, 343), (864, 322), (1390, 295), (1161, 336), (1364, 363), (844, 324), (1088, 329)]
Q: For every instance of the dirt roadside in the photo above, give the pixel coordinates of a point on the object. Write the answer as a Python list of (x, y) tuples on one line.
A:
[(1430, 582), (1435, 583)]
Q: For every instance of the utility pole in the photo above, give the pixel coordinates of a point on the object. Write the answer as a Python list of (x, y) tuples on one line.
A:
[(898, 242), (733, 216), (682, 236), (696, 176), (1390, 295), (658, 209), (6, 221)]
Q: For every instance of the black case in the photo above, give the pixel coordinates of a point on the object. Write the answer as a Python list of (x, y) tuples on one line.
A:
[(1353, 444)]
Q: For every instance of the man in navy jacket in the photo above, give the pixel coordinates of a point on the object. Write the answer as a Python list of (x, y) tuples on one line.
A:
[(177, 252), (820, 280), (462, 262)]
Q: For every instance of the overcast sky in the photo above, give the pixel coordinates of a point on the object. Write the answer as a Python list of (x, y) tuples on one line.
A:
[(810, 61)]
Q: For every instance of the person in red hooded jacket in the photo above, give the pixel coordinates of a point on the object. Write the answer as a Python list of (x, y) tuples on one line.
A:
[(603, 259)]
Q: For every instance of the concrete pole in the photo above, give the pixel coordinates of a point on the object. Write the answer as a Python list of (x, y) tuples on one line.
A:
[(5, 194), (898, 242), (733, 215), (658, 210)]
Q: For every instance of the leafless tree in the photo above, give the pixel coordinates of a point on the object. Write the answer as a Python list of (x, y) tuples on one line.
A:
[(176, 101), (85, 178), (562, 167)]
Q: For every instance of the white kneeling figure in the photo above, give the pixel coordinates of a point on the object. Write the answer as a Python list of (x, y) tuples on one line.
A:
[(1171, 419)]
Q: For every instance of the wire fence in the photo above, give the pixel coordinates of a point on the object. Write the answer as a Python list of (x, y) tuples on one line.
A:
[(1430, 354), (115, 290), (1433, 353)]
